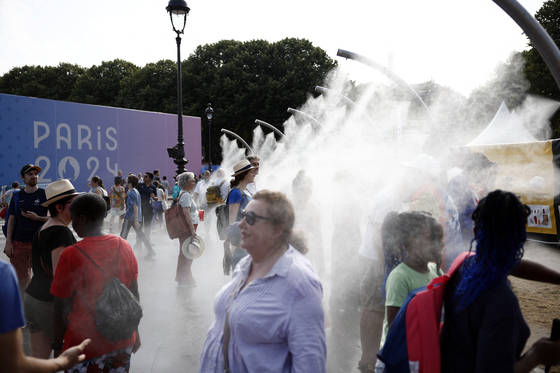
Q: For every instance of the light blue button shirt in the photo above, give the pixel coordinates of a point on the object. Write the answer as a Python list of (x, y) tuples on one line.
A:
[(277, 322)]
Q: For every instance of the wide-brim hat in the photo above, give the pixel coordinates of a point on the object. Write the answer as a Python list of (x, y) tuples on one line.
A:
[(193, 249), (426, 163), (28, 167), (61, 188), (241, 167)]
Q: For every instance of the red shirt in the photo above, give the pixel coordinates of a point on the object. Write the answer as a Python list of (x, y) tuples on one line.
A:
[(76, 276)]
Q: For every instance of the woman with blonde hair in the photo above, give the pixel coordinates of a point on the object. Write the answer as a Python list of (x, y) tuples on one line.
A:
[(269, 317)]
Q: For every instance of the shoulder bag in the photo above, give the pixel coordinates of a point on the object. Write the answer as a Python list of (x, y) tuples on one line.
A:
[(176, 221)]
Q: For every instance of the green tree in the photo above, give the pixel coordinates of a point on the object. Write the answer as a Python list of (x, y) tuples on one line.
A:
[(251, 80), (151, 88), (536, 70), (508, 84), (100, 85), (51, 82)]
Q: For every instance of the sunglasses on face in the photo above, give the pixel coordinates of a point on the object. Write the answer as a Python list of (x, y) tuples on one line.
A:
[(250, 217)]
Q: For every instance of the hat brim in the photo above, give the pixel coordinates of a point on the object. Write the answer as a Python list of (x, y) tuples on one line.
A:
[(244, 169), (189, 255), (59, 197)]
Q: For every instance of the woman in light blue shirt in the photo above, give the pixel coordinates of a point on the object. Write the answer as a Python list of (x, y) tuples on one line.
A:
[(270, 317)]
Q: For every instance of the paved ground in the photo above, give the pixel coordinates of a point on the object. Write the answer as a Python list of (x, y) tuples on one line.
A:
[(176, 319)]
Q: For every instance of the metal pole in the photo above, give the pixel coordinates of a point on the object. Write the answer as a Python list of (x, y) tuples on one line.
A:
[(210, 145), (387, 72), (257, 121), (180, 160), (538, 35), (238, 138), (294, 111), (326, 90)]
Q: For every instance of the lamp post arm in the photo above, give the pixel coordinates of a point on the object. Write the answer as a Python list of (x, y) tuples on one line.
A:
[(257, 121), (238, 138)]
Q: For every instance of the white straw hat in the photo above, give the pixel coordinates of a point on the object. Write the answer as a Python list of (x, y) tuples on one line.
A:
[(59, 189), (242, 166), (193, 249)]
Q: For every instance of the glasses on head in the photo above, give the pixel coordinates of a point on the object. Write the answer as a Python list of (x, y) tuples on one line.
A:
[(250, 217)]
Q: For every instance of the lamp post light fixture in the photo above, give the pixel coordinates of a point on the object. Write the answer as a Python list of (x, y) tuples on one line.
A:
[(209, 114), (178, 8)]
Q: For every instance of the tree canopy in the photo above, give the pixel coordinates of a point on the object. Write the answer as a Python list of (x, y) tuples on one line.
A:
[(244, 81), (536, 70)]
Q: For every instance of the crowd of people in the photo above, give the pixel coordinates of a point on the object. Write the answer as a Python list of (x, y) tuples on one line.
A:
[(271, 315)]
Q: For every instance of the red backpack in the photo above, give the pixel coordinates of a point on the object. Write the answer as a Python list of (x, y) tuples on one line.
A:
[(412, 344)]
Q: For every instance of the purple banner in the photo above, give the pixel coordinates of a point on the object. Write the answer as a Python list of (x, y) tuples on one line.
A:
[(77, 141)]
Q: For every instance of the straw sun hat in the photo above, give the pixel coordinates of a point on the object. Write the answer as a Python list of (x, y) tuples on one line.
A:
[(242, 166), (193, 249), (59, 189)]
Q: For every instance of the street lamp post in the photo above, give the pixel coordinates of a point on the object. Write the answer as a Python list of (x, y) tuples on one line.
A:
[(178, 8), (209, 114)]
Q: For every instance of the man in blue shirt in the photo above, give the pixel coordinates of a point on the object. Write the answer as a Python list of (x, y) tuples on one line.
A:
[(23, 223), (147, 190), (133, 215)]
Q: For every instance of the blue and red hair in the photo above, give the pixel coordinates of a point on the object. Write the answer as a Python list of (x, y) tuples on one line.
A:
[(500, 234)]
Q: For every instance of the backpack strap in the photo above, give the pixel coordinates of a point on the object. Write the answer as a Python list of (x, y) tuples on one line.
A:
[(116, 266)]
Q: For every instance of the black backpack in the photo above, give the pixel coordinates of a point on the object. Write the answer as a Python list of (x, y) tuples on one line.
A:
[(117, 309), (222, 212)]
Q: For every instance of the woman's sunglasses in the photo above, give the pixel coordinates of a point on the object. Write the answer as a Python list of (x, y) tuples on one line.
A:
[(250, 217)]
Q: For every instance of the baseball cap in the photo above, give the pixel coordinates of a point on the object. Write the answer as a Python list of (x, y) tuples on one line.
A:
[(29, 167)]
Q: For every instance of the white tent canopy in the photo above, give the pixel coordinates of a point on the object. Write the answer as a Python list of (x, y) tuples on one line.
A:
[(505, 128)]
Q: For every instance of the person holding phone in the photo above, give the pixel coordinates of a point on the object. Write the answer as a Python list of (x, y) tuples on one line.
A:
[(23, 223)]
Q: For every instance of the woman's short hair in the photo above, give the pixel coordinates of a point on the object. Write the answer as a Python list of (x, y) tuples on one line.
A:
[(184, 178), (52, 207), (281, 211), (133, 180)]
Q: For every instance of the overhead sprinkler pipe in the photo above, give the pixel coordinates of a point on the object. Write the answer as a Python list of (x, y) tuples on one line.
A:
[(326, 90), (240, 139), (294, 111), (387, 72), (257, 121), (538, 35)]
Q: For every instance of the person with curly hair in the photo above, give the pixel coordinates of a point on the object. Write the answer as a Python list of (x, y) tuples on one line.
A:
[(484, 329), (413, 243)]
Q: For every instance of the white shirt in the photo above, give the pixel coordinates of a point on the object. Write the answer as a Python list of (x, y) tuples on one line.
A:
[(200, 189), (187, 201), (385, 202), (225, 187)]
